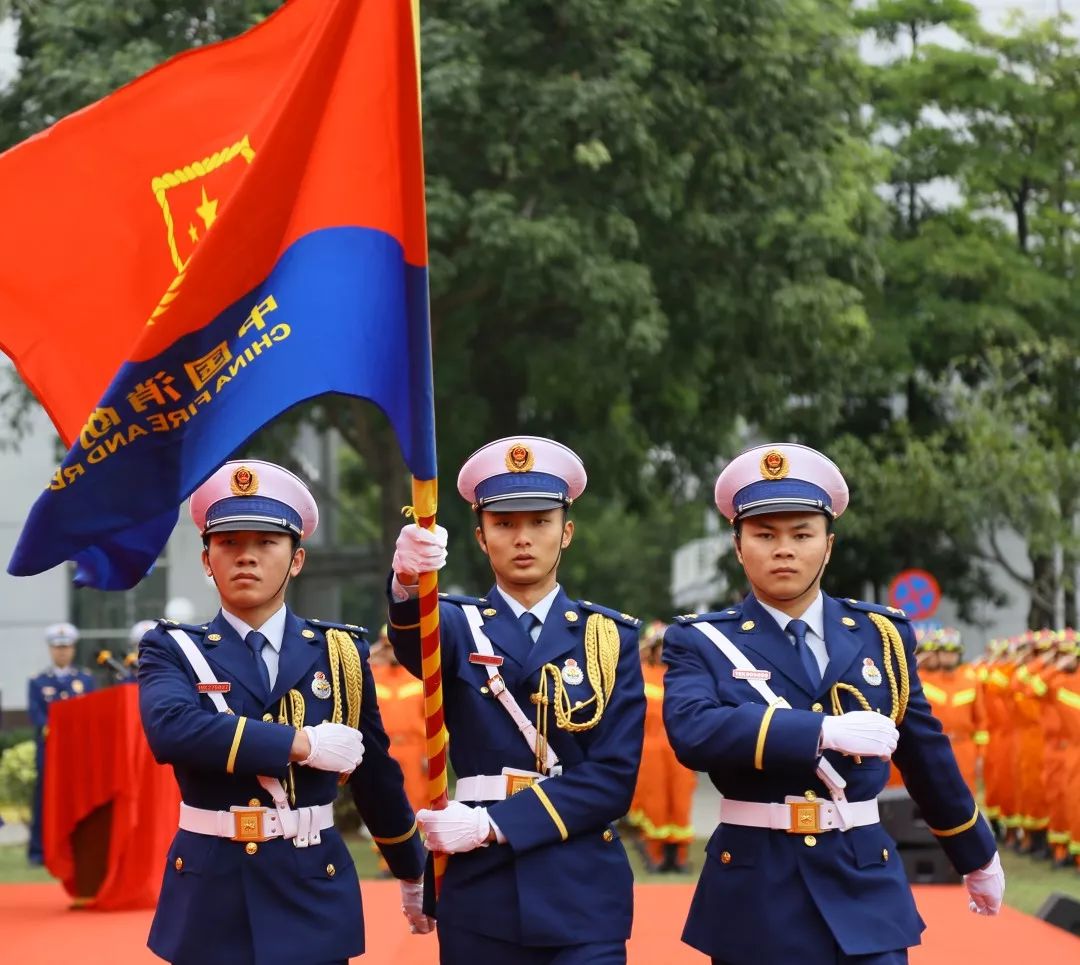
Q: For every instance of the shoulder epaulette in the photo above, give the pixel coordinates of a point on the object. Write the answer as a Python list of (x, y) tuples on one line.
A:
[(616, 615), (355, 629), (164, 623), (891, 612), (462, 600), (729, 614)]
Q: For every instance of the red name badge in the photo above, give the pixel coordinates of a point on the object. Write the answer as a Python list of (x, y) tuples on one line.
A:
[(214, 688), (488, 660)]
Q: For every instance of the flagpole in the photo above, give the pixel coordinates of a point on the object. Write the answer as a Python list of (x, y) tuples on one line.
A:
[(425, 502)]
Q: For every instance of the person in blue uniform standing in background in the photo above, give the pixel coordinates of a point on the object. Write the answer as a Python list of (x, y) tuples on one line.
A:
[(260, 713), (545, 706), (61, 681), (794, 703)]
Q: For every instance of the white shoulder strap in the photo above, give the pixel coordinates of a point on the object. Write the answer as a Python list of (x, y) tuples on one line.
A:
[(830, 777), (498, 687), (740, 661), (200, 666), (206, 676)]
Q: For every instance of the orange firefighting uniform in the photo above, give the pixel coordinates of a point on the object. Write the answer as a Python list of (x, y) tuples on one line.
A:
[(997, 761), (665, 789), (1053, 771), (1029, 691), (401, 703), (955, 700), (1067, 698)]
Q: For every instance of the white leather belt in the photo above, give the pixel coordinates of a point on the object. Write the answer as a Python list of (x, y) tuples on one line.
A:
[(301, 825), (495, 787), (797, 815)]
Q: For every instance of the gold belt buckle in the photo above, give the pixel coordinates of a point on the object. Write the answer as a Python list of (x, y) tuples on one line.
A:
[(518, 782), (248, 824), (805, 817)]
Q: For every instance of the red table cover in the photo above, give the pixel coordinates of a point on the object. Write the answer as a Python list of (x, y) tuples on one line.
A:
[(96, 753)]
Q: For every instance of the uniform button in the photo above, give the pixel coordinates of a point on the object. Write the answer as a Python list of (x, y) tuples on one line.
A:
[(268, 718), (725, 857), (178, 864), (810, 795), (253, 803), (884, 854), (816, 708), (330, 871), (484, 690), (251, 847), (809, 840), (607, 835)]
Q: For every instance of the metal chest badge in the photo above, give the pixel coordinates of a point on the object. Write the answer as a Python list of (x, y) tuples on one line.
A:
[(320, 686), (571, 672), (870, 672)]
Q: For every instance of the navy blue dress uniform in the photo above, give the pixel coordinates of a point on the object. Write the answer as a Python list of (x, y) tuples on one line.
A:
[(55, 683), (234, 895), (777, 886), (560, 889)]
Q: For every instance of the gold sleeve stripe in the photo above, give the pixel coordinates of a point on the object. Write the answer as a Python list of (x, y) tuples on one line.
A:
[(552, 813), (960, 828), (759, 751), (405, 626), (231, 763), (401, 837)]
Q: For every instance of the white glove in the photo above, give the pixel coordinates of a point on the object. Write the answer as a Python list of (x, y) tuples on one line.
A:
[(860, 732), (334, 747), (455, 828), (418, 550), (412, 904), (986, 888)]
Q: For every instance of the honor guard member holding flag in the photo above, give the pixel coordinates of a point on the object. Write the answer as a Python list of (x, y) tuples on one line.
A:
[(794, 703), (262, 714), (545, 707), (61, 681)]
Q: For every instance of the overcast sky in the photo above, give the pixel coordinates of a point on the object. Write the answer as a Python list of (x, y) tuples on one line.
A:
[(994, 12)]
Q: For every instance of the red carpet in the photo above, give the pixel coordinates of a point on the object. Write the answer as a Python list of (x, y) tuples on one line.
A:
[(37, 928)]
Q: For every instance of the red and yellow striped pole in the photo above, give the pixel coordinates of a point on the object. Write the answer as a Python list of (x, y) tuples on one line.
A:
[(425, 503)]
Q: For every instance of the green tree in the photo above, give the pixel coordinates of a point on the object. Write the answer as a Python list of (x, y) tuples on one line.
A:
[(971, 282), (650, 224)]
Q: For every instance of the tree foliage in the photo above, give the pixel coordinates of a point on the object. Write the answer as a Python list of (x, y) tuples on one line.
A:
[(650, 223)]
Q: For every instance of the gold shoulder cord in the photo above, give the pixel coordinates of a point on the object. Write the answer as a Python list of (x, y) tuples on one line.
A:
[(291, 711), (601, 661), (892, 649), (345, 661)]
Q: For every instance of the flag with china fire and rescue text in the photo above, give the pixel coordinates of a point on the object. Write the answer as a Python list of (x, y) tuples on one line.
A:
[(234, 232)]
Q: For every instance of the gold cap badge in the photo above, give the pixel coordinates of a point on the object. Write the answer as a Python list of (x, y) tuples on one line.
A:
[(774, 465), (244, 482), (519, 458)]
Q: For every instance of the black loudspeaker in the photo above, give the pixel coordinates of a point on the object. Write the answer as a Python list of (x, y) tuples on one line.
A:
[(902, 820), (927, 865), (1061, 910)]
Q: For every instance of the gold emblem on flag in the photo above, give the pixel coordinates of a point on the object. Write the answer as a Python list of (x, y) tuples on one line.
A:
[(244, 482), (189, 198), (519, 458), (774, 465)]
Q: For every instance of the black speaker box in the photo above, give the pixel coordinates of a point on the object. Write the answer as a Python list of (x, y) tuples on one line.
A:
[(927, 865), (1061, 910), (901, 818)]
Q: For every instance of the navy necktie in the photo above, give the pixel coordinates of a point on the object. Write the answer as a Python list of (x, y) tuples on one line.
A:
[(528, 621), (798, 628), (256, 641)]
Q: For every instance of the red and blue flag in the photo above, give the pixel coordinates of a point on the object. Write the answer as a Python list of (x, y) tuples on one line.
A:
[(237, 231)]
